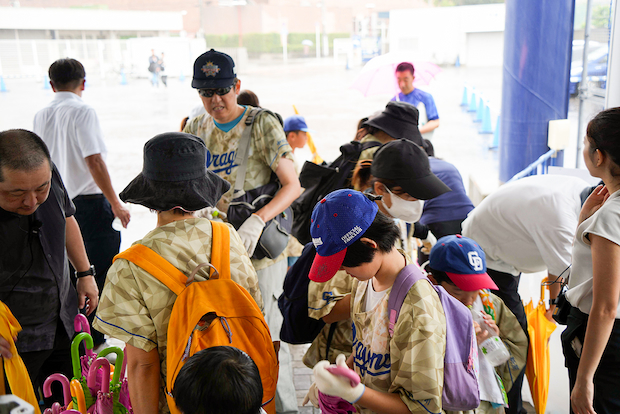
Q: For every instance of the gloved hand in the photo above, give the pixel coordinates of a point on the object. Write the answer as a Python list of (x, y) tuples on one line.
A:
[(337, 385), (312, 396), (250, 232), (428, 243)]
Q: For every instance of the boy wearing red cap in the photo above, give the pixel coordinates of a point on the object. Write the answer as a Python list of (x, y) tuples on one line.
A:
[(399, 373), (458, 264)]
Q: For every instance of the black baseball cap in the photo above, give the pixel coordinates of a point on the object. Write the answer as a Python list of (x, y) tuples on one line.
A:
[(406, 164), (212, 70), (398, 120)]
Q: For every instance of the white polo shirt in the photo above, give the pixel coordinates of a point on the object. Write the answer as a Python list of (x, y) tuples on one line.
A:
[(528, 226), (71, 130)]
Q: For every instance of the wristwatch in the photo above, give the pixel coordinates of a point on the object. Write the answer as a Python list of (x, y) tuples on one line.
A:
[(89, 272)]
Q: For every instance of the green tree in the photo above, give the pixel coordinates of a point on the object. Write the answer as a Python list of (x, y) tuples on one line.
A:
[(600, 17)]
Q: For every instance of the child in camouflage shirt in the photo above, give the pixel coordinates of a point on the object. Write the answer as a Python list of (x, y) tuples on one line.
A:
[(458, 264), (399, 373)]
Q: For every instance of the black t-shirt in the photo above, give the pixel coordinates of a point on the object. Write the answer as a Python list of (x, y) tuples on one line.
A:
[(34, 273)]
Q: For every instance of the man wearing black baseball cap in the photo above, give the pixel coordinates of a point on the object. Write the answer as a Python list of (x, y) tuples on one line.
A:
[(269, 153), (398, 120)]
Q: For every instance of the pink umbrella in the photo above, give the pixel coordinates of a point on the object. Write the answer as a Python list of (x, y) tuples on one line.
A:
[(377, 76), (66, 390), (80, 324), (118, 385), (104, 403)]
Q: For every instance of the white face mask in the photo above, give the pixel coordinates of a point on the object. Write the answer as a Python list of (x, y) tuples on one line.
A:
[(407, 211)]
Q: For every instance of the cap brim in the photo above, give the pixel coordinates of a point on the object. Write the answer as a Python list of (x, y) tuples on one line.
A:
[(470, 283), (325, 267), (211, 83), (423, 188)]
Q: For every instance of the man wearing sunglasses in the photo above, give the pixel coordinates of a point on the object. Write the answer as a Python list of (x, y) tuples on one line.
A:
[(221, 129)]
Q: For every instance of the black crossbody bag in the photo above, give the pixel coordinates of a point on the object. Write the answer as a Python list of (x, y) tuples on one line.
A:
[(276, 233)]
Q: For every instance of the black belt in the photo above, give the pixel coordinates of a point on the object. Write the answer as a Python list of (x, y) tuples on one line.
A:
[(89, 197)]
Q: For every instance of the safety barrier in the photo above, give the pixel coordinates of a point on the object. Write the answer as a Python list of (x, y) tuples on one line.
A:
[(477, 105)]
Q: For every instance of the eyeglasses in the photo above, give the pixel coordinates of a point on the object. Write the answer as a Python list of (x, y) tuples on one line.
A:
[(208, 93)]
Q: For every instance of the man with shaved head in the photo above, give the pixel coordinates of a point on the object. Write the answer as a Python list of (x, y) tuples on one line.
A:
[(37, 233)]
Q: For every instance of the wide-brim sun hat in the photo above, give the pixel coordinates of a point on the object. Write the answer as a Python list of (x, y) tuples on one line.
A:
[(174, 174), (406, 164), (398, 120)]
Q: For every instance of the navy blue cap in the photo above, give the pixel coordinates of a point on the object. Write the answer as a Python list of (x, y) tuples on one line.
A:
[(463, 261), (213, 70), (338, 220), (296, 123)]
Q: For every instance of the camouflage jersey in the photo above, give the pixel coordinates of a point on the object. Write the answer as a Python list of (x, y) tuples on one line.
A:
[(369, 153), (267, 147), (135, 307), (322, 297), (411, 362)]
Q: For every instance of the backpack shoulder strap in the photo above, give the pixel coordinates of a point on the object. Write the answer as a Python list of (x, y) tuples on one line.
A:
[(405, 279), (242, 151), (220, 249), (370, 144), (156, 266)]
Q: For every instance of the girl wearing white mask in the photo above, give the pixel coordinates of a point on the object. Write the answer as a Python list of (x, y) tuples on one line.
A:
[(401, 174)]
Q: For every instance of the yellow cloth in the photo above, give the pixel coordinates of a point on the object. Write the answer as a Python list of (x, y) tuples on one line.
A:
[(15, 370)]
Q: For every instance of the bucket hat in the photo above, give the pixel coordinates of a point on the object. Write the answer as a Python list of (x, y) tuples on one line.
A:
[(406, 164), (463, 261), (398, 120), (213, 70), (174, 174), (338, 221)]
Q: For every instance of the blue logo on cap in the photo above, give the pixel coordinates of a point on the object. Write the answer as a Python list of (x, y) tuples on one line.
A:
[(459, 255)]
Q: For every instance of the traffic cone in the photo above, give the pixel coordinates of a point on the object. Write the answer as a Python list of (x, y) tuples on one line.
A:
[(123, 77), (458, 61), (480, 111), (472, 103), (2, 85), (486, 121), (46, 82), (495, 143), (464, 100), (181, 77)]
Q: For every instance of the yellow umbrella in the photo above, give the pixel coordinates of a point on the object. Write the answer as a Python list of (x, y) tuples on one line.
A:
[(538, 363), (316, 157)]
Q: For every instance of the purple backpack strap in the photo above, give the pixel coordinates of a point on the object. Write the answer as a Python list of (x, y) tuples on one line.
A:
[(405, 279)]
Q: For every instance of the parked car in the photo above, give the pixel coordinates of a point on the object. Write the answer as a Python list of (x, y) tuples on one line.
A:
[(597, 68)]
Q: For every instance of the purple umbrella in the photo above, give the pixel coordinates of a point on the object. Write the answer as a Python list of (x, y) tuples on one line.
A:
[(66, 391), (104, 403), (80, 324)]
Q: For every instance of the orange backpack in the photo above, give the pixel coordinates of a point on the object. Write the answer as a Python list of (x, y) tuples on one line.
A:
[(215, 312)]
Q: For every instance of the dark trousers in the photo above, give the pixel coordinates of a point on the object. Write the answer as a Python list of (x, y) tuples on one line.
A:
[(607, 375), (439, 230), (94, 215), (508, 285), (42, 364)]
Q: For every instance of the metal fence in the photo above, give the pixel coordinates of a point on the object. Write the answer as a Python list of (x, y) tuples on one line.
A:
[(102, 58)]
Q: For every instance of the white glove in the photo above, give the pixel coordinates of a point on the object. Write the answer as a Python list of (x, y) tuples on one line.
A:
[(337, 385), (428, 243), (312, 396), (250, 232)]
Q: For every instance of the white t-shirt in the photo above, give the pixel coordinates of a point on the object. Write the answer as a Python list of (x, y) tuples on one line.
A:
[(528, 225), (604, 223), (71, 130), (373, 297)]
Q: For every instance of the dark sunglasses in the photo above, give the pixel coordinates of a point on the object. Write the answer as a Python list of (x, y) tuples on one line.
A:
[(208, 93)]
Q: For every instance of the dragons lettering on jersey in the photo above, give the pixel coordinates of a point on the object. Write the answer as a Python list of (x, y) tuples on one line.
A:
[(221, 162), (368, 362)]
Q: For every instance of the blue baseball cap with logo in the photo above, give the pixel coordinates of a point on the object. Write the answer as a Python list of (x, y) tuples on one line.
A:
[(213, 70), (296, 123), (463, 261), (338, 220)]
